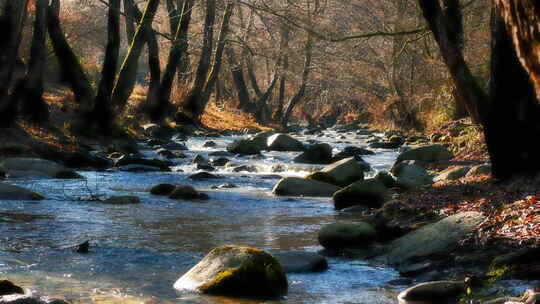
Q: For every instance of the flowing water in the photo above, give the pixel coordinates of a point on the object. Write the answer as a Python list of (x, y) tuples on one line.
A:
[(140, 250)]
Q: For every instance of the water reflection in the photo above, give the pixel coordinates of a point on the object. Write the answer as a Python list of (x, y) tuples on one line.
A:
[(139, 251)]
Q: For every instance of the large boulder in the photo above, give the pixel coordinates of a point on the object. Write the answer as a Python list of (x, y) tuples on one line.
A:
[(384, 145), (12, 192), (451, 174), (244, 147), (284, 142), (237, 271), (341, 235), (301, 261), (345, 171), (440, 237), (158, 131), (296, 186), (432, 292), (479, 170), (410, 175), (203, 175), (186, 192), (428, 154), (370, 193), (352, 151), (82, 159), (127, 160), (162, 189), (36, 167), (315, 154), (260, 139)]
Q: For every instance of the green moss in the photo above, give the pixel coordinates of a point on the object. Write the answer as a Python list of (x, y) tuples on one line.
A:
[(253, 272), (322, 177), (497, 273)]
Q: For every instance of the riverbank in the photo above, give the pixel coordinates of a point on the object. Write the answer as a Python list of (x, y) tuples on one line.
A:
[(510, 209)]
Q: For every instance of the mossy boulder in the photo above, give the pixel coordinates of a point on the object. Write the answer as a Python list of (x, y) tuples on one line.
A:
[(244, 147), (236, 271), (296, 186), (428, 154), (345, 171), (284, 142), (322, 177), (370, 192), (343, 235), (162, 189), (12, 192), (315, 154)]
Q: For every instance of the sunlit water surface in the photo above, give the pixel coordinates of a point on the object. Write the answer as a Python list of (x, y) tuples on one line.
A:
[(140, 250)]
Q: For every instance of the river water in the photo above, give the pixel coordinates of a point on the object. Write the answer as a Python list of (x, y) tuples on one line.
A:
[(140, 250)]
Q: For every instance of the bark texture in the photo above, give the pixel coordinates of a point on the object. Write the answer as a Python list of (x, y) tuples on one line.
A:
[(511, 124)]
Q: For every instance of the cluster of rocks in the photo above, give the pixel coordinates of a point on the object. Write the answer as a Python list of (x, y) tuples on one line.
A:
[(388, 233)]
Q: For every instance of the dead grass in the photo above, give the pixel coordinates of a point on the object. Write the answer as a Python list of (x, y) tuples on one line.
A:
[(227, 118)]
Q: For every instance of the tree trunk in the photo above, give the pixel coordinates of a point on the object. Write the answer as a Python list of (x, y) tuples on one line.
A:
[(70, 67), (12, 23), (31, 99), (263, 114), (153, 54), (512, 124), (244, 100), (128, 18), (305, 76), (467, 87), (191, 106), (102, 114), (522, 17), (454, 19), (158, 106), (283, 67), (218, 57), (128, 72)]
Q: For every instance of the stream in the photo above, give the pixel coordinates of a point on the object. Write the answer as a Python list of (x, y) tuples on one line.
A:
[(139, 251)]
